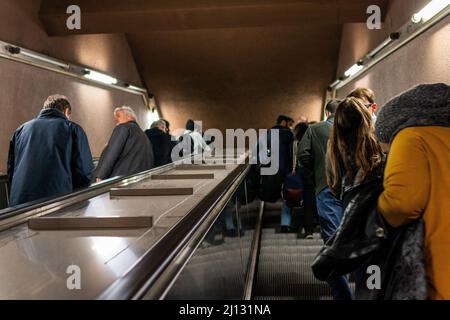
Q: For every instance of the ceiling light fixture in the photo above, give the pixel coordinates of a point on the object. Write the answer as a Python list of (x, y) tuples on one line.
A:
[(100, 77), (135, 88), (13, 50), (357, 67), (430, 10), (392, 37)]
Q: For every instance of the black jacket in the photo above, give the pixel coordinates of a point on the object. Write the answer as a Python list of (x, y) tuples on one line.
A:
[(49, 156), (364, 239), (285, 148), (129, 151), (162, 146)]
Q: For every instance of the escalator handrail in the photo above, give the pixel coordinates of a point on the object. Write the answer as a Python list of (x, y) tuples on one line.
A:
[(14, 216), (140, 278)]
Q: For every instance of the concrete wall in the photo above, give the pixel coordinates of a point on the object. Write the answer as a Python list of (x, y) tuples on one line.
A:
[(424, 60), (24, 88), (240, 77)]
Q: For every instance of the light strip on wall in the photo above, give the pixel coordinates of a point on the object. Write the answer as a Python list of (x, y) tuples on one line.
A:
[(131, 87), (36, 56), (392, 37), (353, 70), (430, 10), (100, 77), (405, 35), (22, 55)]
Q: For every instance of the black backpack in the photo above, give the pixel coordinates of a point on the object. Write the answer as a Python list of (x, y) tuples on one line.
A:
[(269, 186)]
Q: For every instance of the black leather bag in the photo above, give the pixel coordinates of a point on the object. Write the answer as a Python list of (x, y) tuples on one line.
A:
[(365, 238), (362, 232)]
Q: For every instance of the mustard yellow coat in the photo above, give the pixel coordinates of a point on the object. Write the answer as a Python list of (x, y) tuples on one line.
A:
[(417, 183)]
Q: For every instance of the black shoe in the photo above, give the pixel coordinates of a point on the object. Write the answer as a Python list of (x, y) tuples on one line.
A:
[(285, 229), (231, 233)]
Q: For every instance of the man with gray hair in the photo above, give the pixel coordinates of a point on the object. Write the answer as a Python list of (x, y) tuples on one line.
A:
[(161, 142), (129, 151), (49, 156)]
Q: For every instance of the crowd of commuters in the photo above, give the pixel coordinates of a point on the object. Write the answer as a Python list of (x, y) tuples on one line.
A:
[(321, 166), (50, 156), (407, 147)]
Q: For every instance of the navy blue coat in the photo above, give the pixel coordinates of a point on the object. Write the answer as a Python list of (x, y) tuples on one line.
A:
[(48, 156)]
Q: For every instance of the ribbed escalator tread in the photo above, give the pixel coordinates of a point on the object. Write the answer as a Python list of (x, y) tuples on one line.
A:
[(284, 268)]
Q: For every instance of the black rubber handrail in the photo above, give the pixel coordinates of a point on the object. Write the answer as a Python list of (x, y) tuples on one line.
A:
[(27, 207), (140, 278)]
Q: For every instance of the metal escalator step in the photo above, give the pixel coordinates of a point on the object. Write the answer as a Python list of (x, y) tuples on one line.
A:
[(284, 268)]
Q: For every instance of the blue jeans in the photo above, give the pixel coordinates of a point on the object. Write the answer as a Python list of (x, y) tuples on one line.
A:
[(286, 215), (330, 215)]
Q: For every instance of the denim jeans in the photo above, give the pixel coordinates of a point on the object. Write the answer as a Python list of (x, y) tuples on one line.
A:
[(286, 215), (330, 215)]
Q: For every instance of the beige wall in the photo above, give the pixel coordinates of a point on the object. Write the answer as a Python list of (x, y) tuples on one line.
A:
[(240, 77), (424, 60), (24, 88)]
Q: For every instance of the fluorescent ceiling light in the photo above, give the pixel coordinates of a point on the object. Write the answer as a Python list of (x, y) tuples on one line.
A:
[(36, 56), (131, 87), (100, 77), (430, 10), (392, 37), (353, 70), (334, 84), (383, 45)]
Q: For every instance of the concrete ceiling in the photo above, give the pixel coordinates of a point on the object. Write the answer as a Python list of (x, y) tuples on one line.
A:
[(217, 60), (137, 16)]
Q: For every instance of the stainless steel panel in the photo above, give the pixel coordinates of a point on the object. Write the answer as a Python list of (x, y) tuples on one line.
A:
[(33, 264)]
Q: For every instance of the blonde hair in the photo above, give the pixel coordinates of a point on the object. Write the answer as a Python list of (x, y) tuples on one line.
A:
[(352, 142), (363, 94)]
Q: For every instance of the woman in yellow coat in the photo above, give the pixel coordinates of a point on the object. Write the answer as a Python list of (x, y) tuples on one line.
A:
[(416, 126)]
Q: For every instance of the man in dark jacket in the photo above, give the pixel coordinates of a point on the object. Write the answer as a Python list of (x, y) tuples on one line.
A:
[(286, 139), (270, 187), (311, 159), (49, 156), (161, 142), (129, 151)]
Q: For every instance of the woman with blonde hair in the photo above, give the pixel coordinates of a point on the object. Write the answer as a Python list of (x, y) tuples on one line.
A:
[(354, 157), (353, 151)]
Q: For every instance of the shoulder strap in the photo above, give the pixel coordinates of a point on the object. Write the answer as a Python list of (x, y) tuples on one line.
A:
[(294, 154)]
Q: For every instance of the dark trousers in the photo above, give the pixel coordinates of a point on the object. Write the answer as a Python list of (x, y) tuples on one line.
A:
[(309, 210)]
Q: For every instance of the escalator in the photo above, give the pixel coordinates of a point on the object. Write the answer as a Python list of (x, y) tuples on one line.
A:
[(258, 264), (284, 264), (218, 243)]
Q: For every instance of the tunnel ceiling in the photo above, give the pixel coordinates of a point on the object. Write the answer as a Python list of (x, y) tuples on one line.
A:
[(208, 57)]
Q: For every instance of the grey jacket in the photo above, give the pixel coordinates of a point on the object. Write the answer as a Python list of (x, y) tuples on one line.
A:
[(129, 151)]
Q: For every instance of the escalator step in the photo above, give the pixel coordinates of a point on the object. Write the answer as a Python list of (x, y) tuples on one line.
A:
[(284, 268)]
